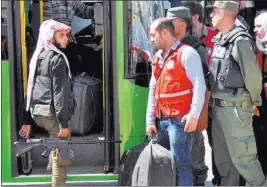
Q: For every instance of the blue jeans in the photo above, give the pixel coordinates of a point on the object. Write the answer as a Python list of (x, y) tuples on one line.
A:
[(171, 135)]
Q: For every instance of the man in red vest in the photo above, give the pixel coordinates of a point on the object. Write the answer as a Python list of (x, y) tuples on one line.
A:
[(176, 96)]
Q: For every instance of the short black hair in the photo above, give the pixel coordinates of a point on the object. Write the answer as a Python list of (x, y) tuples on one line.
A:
[(188, 25), (166, 24), (195, 8)]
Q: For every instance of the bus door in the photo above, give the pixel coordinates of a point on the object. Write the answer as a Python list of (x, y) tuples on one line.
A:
[(87, 159)]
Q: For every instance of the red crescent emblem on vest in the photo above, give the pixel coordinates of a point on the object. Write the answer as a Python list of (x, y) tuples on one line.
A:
[(170, 64)]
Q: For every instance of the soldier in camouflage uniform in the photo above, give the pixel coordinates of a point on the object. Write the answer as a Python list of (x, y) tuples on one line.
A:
[(235, 83)]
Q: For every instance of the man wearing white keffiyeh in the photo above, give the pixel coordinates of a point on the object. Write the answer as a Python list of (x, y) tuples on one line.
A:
[(50, 99)]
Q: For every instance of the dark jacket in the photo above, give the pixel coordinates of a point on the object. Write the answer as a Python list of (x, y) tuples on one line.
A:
[(199, 46), (52, 94)]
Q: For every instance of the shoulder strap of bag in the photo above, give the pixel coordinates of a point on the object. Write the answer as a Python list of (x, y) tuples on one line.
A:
[(238, 32), (197, 44)]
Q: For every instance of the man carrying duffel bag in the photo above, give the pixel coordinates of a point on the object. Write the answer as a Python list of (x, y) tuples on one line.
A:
[(176, 96)]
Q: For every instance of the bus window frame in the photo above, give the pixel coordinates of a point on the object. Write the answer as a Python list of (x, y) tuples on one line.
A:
[(127, 74)]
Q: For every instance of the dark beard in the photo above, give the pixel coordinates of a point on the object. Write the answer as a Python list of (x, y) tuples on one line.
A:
[(57, 45)]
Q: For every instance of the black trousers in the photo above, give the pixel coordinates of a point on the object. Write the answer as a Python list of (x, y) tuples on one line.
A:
[(260, 131), (214, 168)]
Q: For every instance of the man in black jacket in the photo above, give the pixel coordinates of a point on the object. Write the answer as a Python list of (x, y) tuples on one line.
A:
[(50, 99)]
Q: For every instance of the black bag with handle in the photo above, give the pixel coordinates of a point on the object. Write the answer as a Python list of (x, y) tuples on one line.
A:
[(128, 162), (88, 114), (147, 164)]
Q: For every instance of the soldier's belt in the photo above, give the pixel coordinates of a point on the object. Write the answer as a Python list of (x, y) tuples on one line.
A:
[(224, 103)]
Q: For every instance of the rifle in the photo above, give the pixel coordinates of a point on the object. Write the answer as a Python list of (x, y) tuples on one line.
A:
[(50, 143)]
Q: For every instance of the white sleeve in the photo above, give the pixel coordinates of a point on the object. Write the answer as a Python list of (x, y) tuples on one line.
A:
[(191, 61), (151, 104)]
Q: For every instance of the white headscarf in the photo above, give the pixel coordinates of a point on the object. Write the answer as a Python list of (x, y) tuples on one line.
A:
[(45, 42), (262, 19)]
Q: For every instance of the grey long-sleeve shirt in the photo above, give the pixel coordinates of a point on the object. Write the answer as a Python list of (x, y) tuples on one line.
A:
[(190, 60)]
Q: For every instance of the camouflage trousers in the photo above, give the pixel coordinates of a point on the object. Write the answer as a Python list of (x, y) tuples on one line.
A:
[(234, 146), (59, 167)]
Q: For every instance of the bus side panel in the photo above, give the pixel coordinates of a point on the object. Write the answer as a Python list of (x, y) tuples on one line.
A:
[(132, 98), (5, 123)]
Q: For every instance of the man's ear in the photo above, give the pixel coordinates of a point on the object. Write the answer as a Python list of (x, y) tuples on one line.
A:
[(183, 25), (221, 14), (164, 32)]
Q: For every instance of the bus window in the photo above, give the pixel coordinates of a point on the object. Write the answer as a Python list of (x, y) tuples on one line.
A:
[(140, 50)]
